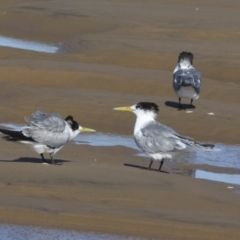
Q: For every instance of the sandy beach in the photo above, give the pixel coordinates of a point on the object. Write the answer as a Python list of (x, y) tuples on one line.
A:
[(116, 53)]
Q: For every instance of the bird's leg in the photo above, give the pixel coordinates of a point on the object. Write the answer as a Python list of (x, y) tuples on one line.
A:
[(180, 105), (161, 165), (44, 160), (149, 167), (191, 101), (51, 156)]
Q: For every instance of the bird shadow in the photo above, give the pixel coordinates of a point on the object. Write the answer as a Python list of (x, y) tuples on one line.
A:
[(176, 105), (35, 160), (143, 168)]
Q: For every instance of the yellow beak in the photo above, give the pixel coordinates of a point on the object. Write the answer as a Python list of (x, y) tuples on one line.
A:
[(87, 130), (125, 109)]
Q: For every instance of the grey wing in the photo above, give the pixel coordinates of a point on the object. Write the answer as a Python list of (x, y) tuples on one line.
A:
[(48, 129), (51, 122), (187, 77), (40, 115), (156, 138)]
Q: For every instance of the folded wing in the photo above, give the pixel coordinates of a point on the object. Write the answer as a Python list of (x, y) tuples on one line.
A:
[(48, 129), (187, 77), (158, 138)]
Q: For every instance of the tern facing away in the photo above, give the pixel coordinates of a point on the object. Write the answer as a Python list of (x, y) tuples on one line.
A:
[(46, 133), (159, 141), (187, 80)]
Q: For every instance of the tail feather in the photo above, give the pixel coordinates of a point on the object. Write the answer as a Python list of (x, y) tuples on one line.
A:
[(197, 145)]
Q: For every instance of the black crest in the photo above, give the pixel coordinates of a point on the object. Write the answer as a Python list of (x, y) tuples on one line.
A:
[(186, 56), (74, 125), (148, 106)]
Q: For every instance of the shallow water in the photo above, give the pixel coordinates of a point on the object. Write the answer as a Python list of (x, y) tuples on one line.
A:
[(105, 140), (227, 157), (11, 126), (27, 45), (219, 177), (15, 232)]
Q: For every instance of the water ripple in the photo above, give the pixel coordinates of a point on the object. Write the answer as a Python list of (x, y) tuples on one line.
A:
[(14, 232)]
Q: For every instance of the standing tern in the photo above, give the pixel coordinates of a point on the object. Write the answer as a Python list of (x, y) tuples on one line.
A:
[(187, 80), (46, 133), (159, 141)]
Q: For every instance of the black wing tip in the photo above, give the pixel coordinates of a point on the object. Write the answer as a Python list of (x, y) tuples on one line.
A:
[(15, 135), (208, 145), (186, 56)]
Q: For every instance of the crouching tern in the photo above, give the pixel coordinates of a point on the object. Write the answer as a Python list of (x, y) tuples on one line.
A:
[(187, 80), (159, 141), (46, 133)]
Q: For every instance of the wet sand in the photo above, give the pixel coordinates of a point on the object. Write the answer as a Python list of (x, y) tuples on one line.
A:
[(117, 53)]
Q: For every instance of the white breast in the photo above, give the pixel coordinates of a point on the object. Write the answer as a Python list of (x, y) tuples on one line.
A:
[(187, 92)]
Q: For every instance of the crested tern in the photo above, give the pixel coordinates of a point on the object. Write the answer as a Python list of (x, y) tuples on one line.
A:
[(159, 141), (187, 80), (46, 133)]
